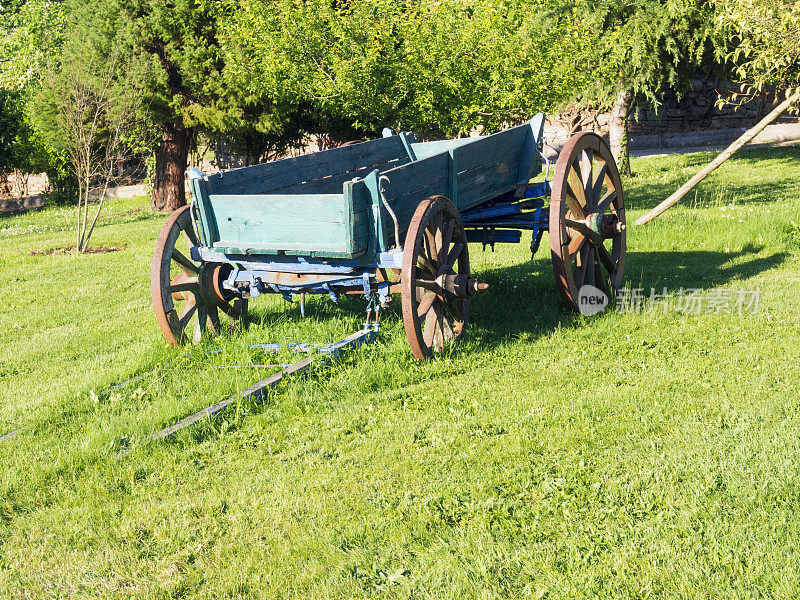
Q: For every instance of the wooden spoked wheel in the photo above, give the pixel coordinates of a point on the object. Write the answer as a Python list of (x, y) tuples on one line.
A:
[(587, 219), (187, 295), (435, 284)]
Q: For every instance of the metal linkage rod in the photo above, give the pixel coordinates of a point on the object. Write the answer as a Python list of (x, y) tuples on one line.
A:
[(257, 391)]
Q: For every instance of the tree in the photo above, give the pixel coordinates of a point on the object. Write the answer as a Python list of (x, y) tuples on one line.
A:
[(184, 93), (642, 49), (31, 32), (88, 115), (181, 93), (12, 126), (431, 66), (765, 36)]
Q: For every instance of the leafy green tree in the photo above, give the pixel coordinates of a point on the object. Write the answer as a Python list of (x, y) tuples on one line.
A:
[(642, 49), (31, 32), (181, 92), (21, 149), (184, 93), (440, 67), (765, 36), (11, 126)]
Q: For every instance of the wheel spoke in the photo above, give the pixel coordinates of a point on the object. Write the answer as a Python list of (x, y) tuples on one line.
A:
[(189, 285), (573, 204), (576, 243), (186, 315), (426, 303), (600, 277), (200, 323), (590, 270), (431, 321), (597, 187), (427, 285), (603, 205), (455, 312), (586, 173), (231, 310), (453, 255), (433, 251), (424, 263), (189, 231), (576, 186), (580, 272), (188, 266), (601, 253), (447, 236), (213, 320)]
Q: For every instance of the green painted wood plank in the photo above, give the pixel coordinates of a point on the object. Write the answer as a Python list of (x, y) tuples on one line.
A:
[(530, 163), (485, 149), (332, 184), (412, 176), (207, 229), (495, 178), (259, 223), (426, 149), (287, 172)]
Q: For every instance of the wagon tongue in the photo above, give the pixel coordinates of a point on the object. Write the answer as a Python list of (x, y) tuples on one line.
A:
[(461, 286)]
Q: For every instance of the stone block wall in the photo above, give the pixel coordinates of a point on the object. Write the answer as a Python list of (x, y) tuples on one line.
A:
[(695, 110)]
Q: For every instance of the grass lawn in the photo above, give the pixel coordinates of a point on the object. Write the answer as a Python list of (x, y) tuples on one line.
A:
[(649, 454)]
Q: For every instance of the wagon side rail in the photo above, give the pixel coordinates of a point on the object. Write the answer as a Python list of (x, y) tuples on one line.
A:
[(469, 171)]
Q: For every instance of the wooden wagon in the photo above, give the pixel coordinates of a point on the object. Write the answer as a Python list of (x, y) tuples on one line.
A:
[(387, 216)]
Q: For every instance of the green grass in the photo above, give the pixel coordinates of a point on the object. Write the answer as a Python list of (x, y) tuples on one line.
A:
[(631, 455)]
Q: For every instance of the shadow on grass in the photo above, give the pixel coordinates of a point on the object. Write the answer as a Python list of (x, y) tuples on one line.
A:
[(523, 298), (534, 308)]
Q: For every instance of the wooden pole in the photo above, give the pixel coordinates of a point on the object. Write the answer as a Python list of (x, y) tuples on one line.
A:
[(710, 167)]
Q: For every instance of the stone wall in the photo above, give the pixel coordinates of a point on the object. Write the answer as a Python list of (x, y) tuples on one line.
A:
[(695, 110)]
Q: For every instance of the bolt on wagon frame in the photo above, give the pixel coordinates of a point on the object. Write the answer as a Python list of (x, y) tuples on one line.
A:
[(387, 216)]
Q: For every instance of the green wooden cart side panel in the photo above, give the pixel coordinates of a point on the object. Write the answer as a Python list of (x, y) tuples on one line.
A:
[(333, 184), (319, 224), (497, 176), (488, 166), (364, 231), (290, 173), (426, 149), (530, 164), (409, 185), (207, 229)]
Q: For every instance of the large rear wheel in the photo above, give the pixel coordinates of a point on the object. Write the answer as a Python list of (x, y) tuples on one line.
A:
[(587, 219)]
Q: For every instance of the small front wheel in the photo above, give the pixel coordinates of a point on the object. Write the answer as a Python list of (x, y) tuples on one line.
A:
[(187, 295)]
